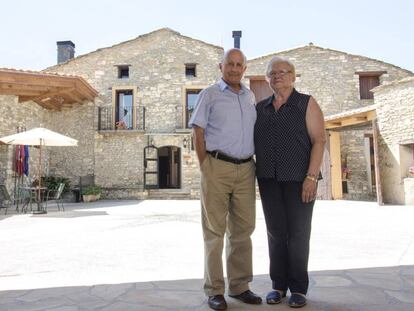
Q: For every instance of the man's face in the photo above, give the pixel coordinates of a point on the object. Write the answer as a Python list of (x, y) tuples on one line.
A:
[(233, 68)]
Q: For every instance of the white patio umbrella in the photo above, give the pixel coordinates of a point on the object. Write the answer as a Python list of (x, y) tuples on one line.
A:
[(39, 137)]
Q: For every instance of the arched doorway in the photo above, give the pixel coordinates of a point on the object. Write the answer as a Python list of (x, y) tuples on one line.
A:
[(169, 167)]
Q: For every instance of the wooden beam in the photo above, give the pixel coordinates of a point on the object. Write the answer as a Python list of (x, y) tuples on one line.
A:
[(85, 89), (75, 97), (361, 119), (24, 78), (22, 92), (22, 88), (59, 91), (46, 105), (336, 170), (332, 124)]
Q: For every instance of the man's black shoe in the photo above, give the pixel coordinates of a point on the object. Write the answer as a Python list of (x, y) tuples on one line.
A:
[(248, 297), (217, 302)]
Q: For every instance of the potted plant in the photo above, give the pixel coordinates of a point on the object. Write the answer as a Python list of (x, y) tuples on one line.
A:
[(91, 193)]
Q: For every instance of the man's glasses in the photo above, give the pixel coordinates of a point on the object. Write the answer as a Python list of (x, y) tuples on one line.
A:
[(279, 73)]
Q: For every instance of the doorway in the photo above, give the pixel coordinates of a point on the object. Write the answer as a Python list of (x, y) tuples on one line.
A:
[(169, 167)]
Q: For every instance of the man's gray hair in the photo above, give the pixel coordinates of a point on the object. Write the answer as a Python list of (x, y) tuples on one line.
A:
[(278, 59), (226, 55)]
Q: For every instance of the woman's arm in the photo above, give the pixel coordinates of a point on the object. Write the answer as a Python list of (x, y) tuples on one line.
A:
[(316, 130)]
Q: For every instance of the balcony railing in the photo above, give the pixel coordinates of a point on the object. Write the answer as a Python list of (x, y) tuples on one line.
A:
[(132, 119)]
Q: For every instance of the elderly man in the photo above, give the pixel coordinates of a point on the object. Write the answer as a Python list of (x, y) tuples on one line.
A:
[(223, 124)]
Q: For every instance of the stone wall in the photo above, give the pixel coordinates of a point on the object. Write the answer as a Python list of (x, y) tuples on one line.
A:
[(352, 153), (70, 162), (157, 73), (395, 117), (329, 75), (76, 122), (24, 115)]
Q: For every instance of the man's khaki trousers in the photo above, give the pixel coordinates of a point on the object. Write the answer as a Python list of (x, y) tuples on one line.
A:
[(228, 207)]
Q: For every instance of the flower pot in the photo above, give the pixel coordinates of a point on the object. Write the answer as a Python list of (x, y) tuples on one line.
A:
[(91, 197)]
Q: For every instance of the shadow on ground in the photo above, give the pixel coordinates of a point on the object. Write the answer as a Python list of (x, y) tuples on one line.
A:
[(370, 289), (72, 210)]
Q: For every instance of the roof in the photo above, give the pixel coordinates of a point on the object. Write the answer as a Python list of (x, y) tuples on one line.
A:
[(385, 86), (136, 39), (49, 90), (312, 46), (351, 117)]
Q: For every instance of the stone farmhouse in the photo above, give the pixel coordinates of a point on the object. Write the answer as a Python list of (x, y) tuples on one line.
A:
[(128, 105)]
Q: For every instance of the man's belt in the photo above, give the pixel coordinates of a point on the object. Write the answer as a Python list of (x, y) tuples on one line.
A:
[(226, 158)]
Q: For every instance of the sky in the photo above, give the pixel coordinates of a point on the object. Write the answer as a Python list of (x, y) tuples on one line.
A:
[(378, 29)]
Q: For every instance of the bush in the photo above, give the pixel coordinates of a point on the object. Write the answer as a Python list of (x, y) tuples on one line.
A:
[(52, 182), (91, 190)]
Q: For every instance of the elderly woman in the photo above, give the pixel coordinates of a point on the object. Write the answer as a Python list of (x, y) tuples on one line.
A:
[(289, 141)]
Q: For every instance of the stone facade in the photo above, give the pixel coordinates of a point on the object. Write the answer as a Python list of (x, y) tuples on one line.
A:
[(156, 63), (395, 115)]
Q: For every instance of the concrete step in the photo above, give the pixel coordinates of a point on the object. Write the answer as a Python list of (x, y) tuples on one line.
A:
[(169, 194)]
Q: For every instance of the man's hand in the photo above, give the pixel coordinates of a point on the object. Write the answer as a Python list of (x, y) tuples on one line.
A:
[(199, 144)]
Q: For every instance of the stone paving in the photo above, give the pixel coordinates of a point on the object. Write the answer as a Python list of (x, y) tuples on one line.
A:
[(132, 255)]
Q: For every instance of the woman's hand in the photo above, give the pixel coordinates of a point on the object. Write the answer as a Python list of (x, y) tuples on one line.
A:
[(309, 190)]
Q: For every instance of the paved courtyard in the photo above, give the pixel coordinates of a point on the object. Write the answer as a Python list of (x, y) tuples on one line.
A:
[(148, 255)]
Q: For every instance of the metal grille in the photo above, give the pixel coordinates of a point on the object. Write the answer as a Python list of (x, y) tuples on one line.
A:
[(108, 119)]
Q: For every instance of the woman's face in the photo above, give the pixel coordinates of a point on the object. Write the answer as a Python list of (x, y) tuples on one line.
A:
[(281, 76)]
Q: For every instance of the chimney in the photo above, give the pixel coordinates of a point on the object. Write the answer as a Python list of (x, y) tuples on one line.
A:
[(237, 35), (65, 51)]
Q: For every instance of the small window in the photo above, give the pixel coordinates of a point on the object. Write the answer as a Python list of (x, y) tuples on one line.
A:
[(190, 70), (190, 101), (123, 72), (366, 84), (367, 81)]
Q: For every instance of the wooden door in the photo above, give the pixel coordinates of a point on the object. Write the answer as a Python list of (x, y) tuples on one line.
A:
[(260, 88)]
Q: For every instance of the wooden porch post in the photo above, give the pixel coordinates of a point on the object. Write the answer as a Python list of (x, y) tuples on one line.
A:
[(336, 170)]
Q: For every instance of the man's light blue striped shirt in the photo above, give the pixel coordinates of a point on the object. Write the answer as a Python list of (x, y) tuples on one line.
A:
[(227, 118)]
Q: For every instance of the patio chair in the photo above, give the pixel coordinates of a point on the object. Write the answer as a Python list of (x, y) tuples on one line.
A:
[(4, 198), (56, 195), (25, 198)]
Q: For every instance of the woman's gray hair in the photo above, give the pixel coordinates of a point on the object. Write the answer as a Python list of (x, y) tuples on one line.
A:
[(278, 59), (226, 55)]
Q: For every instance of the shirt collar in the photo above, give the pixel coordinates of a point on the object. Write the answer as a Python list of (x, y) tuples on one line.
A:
[(223, 85)]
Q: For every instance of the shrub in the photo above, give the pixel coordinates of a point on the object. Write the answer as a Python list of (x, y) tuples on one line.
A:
[(91, 190), (52, 182)]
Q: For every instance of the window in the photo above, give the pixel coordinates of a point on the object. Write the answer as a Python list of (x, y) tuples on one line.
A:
[(367, 81), (190, 70), (190, 101), (123, 72), (124, 109)]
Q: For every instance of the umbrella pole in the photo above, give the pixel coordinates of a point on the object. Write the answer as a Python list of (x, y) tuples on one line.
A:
[(38, 190)]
